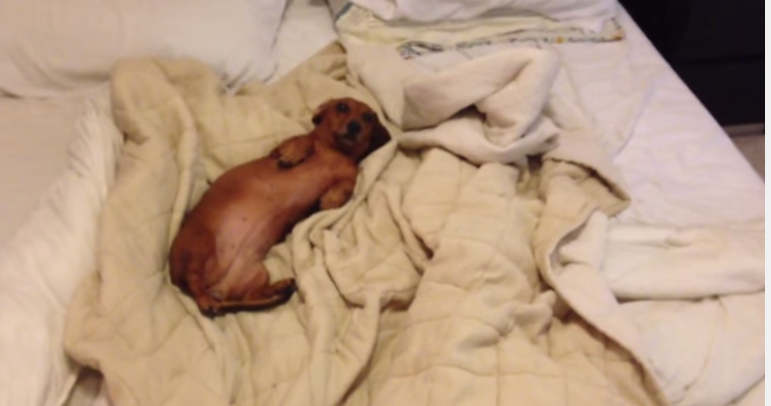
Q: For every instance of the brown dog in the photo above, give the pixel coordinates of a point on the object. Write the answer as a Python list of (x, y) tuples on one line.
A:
[(217, 255)]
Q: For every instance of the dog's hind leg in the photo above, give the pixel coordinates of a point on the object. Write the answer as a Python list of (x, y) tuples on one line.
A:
[(192, 252), (207, 304), (262, 298)]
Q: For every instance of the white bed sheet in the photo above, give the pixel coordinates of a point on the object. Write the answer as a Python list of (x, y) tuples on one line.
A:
[(35, 136), (681, 168), (680, 165)]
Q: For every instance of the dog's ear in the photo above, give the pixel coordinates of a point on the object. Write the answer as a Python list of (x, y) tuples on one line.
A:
[(318, 114), (379, 137)]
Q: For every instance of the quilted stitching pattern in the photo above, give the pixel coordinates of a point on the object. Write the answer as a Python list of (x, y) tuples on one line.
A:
[(440, 283)]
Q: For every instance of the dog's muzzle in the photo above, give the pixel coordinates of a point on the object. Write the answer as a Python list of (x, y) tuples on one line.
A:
[(352, 131)]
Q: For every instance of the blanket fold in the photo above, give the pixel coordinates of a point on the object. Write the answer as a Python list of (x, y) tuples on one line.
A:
[(443, 281)]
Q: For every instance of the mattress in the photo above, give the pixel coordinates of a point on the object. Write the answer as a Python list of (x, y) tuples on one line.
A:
[(681, 168)]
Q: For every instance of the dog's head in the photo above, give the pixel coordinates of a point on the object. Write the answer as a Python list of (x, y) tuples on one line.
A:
[(350, 126)]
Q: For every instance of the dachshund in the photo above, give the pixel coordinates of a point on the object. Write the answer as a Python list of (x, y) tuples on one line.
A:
[(217, 255)]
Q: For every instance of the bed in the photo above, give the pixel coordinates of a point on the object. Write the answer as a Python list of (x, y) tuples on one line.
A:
[(677, 254)]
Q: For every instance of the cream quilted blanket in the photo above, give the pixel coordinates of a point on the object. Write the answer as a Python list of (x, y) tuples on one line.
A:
[(441, 283)]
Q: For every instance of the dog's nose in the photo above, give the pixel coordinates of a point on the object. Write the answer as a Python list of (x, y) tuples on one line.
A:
[(354, 127)]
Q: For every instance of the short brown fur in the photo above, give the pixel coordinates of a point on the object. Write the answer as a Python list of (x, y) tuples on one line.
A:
[(217, 256)]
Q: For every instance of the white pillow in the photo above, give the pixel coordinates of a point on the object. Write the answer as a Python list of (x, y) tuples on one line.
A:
[(51, 47)]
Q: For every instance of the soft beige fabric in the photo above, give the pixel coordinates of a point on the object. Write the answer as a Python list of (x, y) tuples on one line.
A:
[(440, 283), (510, 88), (524, 105)]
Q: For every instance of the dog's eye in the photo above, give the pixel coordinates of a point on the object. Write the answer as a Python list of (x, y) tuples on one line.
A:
[(368, 116), (343, 107)]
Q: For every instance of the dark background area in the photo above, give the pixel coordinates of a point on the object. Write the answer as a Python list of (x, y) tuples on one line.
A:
[(716, 46)]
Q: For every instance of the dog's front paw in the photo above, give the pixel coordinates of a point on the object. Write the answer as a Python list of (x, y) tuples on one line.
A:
[(292, 153), (286, 162)]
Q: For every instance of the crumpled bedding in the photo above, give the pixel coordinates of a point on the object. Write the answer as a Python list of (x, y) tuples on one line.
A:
[(421, 28), (441, 282)]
